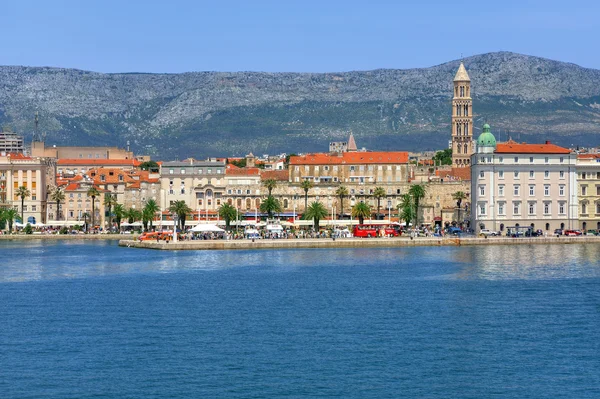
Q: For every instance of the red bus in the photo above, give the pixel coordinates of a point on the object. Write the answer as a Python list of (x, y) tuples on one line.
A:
[(375, 230)]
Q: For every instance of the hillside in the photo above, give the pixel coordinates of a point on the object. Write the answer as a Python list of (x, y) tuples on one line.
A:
[(219, 113)]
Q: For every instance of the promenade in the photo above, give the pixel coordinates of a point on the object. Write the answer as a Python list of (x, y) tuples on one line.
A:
[(351, 242)]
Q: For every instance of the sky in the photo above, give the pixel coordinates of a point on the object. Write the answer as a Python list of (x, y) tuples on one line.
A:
[(173, 36)]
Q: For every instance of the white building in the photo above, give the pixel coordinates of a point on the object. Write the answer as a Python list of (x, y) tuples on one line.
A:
[(519, 184)]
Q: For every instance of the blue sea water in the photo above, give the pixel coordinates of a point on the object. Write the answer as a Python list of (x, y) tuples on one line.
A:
[(92, 320)]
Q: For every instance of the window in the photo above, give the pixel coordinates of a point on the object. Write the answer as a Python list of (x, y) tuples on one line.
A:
[(546, 208), (500, 159), (171, 191), (561, 208), (598, 207), (532, 208), (516, 174), (531, 174), (182, 190), (516, 208), (583, 175), (500, 174), (482, 191), (561, 190), (562, 159), (584, 208), (561, 174), (516, 159), (33, 208), (482, 209), (546, 174), (209, 171), (200, 171), (325, 167), (531, 190), (183, 171), (597, 190), (481, 174), (352, 168), (583, 190), (546, 160), (517, 189), (530, 159), (120, 177), (170, 171), (500, 208), (102, 178), (546, 190), (501, 190)]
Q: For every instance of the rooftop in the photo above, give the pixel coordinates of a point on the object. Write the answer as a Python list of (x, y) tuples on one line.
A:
[(351, 158), (512, 147)]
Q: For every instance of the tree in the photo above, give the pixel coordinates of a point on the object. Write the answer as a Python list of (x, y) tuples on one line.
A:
[(133, 215), (93, 193), (109, 202), (459, 196), (10, 215), (379, 193), (443, 157), (22, 192), (152, 209), (181, 209), (270, 206), (341, 192), (119, 212), (361, 211), (406, 209), (58, 196), (86, 216), (151, 166), (270, 185), (228, 213), (316, 211), (417, 192), (306, 185)]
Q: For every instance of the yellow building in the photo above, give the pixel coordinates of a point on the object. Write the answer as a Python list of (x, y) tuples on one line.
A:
[(588, 186)]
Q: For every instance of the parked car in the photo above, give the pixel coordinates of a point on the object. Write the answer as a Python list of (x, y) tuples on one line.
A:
[(591, 233), (558, 232), (573, 233), (488, 233), (534, 233), (454, 231)]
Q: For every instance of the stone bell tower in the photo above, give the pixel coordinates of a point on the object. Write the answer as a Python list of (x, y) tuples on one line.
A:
[(462, 119)]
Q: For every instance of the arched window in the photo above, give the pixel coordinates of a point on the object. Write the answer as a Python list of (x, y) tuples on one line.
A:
[(457, 110), (584, 226), (248, 203), (239, 203), (547, 226), (458, 149), (466, 151), (458, 129), (562, 226), (501, 226), (209, 193), (285, 203), (257, 203), (230, 201), (517, 225)]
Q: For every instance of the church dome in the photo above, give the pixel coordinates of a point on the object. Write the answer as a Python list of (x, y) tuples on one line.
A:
[(486, 138)]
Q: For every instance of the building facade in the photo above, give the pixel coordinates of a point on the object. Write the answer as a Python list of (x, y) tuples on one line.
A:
[(10, 142), (523, 185), (588, 182), (462, 119)]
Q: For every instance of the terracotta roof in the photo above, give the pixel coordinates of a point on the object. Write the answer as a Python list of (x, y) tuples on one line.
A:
[(459, 173), (279, 175), (17, 155), (351, 158), (99, 162), (111, 176), (588, 156), (512, 147), (242, 171)]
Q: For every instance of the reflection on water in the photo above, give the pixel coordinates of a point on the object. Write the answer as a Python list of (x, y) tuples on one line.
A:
[(49, 260)]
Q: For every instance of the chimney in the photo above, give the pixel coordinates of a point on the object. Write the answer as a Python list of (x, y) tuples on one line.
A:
[(548, 142)]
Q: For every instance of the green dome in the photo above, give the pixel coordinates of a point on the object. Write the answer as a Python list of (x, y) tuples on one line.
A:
[(486, 138)]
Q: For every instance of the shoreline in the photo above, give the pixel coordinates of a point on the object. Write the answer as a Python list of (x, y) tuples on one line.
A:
[(26, 237), (351, 243)]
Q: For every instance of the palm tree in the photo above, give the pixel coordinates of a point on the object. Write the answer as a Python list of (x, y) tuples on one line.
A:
[(22, 192), (341, 192), (227, 212), (270, 184), (119, 211), (152, 209), (181, 209), (109, 202), (86, 216), (10, 215), (361, 211), (133, 215), (379, 193), (417, 192), (406, 209), (459, 196), (93, 192), (316, 211), (270, 206), (58, 196), (306, 185), (147, 216)]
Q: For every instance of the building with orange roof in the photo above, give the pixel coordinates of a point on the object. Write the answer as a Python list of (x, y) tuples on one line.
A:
[(77, 207), (75, 165), (38, 175), (523, 185)]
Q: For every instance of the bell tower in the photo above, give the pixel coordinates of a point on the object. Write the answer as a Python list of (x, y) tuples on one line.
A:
[(462, 119)]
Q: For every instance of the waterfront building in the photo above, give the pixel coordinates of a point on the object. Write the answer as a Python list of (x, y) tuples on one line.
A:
[(462, 119), (36, 174), (519, 184), (588, 182), (10, 142), (77, 207)]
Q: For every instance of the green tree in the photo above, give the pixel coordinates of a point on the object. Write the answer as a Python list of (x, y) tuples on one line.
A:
[(459, 196), (22, 192), (119, 212), (58, 196), (316, 211), (341, 193), (417, 192), (28, 229), (406, 209), (109, 203), (379, 193), (10, 215), (443, 157), (151, 208), (361, 211), (93, 193), (228, 213), (306, 185), (133, 215), (270, 185), (271, 205), (86, 216), (150, 166), (182, 210), (240, 163)]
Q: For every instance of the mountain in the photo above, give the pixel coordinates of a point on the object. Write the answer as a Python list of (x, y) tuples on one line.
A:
[(218, 113)]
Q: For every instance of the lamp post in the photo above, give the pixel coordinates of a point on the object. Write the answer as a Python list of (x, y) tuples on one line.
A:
[(174, 227), (389, 211)]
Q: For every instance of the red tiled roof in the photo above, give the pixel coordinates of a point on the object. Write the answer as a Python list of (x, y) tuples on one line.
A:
[(96, 175), (99, 162), (18, 155), (279, 175), (460, 173), (242, 171), (512, 147), (351, 158), (588, 156)]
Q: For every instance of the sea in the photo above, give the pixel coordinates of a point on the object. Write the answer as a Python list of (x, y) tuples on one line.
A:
[(82, 319)]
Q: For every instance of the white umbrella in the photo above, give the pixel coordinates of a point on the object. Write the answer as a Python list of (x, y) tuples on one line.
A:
[(205, 228), (136, 224)]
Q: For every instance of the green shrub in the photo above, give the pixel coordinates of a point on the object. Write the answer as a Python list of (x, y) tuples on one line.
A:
[(28, 229)]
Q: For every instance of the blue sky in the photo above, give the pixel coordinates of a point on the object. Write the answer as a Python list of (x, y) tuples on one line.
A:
[(295, 36)]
